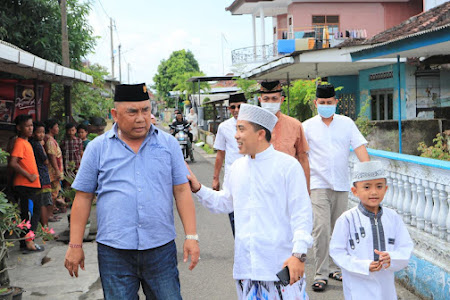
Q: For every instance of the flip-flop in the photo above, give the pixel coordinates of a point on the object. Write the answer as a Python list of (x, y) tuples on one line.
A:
[(336, 275), (38, 249), (319, 285)]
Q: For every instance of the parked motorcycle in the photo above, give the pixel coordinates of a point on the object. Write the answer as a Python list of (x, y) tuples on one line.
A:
[(181, 134)]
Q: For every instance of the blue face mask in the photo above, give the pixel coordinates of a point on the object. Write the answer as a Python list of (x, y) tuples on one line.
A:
[(326, 111)]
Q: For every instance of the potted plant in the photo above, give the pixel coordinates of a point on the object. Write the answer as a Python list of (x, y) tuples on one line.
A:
[(11, 227)]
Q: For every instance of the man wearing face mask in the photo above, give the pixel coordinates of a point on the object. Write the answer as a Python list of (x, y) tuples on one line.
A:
[(288, 135), (330, 137)]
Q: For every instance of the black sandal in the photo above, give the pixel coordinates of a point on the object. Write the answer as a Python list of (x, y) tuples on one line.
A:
[(336, 275), (319, 285)]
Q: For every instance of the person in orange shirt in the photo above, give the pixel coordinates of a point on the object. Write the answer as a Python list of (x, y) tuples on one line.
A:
[(288, 135), (26, 180)]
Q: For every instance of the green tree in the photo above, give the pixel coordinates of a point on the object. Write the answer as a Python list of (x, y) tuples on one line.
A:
[(301, 96), (170, 70), (247, 86), (35, 26), (189, 88), (88, 100)]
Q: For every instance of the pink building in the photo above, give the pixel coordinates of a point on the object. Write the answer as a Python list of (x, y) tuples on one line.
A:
[(293, 19)]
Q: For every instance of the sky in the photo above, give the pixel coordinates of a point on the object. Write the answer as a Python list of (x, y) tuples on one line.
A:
[(150, 30)]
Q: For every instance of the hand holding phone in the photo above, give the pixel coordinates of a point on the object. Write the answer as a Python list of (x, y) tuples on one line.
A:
[(284, 277)]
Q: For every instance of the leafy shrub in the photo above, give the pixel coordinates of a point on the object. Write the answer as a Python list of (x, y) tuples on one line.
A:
[(437, 151)]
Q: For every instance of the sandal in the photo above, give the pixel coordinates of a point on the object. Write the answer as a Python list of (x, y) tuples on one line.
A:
[(336, 275), (38, 248), (319, 285)]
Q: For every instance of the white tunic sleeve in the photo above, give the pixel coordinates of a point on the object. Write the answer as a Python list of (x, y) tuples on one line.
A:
[(339, 250), (217, 201), (300, 211), (220, 142), (403, 247)]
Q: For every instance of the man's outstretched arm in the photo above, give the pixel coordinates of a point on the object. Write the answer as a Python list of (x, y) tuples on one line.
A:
[(186, 210)]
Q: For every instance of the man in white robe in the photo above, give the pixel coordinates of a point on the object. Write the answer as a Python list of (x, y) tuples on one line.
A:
[(370, 242), (273, 215)]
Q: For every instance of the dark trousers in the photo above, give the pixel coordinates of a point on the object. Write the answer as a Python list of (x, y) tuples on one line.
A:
[(24, 194), (122, 271)]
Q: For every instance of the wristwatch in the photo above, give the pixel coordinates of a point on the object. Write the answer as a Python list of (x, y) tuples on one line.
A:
[(300, 256), (192, 237)]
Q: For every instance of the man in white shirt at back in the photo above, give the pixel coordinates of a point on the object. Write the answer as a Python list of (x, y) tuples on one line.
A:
[(226, 145), (330, 137), (267, 191)]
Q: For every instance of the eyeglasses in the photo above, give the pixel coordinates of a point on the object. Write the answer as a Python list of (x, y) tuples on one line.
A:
[(234, 106)]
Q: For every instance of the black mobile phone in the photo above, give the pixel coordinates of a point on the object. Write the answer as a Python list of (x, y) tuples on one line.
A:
[(284, 277)]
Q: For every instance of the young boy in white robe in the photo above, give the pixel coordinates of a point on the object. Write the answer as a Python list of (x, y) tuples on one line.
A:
[(273, 216), (370, 242)]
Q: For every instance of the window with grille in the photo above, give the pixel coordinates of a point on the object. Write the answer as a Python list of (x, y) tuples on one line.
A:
[(332, 22), (382, 104)]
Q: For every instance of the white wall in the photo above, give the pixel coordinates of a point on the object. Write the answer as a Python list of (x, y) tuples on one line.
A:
[(428, 4)]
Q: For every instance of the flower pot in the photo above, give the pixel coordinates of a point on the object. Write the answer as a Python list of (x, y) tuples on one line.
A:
[(17, 293), (7, 295)]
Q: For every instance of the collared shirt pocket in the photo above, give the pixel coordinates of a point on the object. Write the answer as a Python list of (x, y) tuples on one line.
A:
[(157, 161)]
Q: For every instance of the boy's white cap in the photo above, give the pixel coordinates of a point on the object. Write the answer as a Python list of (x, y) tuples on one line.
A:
[(257, 115), (368, 170)]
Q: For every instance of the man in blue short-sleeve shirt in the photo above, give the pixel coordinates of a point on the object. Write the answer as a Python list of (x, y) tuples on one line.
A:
[(136, 170)]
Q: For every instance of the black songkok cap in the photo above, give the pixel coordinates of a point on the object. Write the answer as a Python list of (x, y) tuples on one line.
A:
[(131, 92), (325, 91), (270, 87), (237, 97)]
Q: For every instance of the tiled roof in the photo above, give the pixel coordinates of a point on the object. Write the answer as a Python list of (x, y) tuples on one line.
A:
[(430, 19)]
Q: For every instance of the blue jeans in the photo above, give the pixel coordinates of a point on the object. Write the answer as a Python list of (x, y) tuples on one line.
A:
[(122, 271)]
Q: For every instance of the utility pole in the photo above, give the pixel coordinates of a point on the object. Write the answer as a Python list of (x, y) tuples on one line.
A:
[(112, 47), (128, 73), (65, 58), (120, 65)]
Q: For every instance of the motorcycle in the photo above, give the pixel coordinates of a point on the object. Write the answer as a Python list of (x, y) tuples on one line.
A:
[(181, 134)]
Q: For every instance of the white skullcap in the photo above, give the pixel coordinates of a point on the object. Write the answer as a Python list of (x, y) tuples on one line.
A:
[(368, 170), (257, 115)]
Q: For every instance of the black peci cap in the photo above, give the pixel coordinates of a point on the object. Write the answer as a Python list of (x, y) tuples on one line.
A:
[(325, 91), (270, 87), (237, 97), (131, 92)]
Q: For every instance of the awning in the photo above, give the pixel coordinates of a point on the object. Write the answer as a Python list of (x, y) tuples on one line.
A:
[(216, 101), (211, 78), (17, 61), (316, 63), (426, 43)]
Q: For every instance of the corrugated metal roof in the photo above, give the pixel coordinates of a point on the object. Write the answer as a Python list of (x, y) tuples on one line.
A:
[(17, 61)]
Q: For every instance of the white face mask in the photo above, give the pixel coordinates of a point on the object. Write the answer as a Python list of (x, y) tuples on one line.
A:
[(271, 106)]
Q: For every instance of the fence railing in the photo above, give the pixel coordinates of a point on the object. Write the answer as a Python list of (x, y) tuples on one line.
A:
[(254, 54), (418, 189)]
